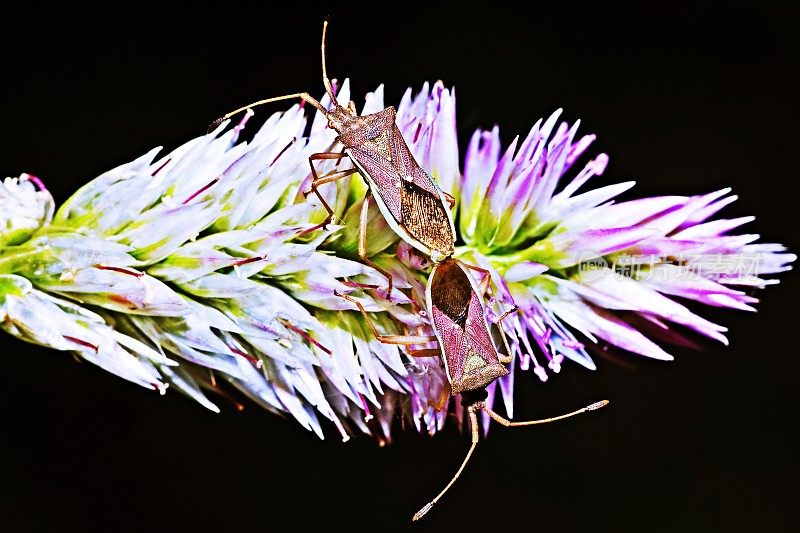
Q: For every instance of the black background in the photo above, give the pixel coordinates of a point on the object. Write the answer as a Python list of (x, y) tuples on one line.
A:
[(685, 100)]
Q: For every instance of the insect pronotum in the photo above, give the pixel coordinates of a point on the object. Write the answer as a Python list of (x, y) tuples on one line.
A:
[(406, 195), (455, 304)]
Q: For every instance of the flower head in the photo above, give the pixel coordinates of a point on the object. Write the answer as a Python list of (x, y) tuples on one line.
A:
[(207, 269)]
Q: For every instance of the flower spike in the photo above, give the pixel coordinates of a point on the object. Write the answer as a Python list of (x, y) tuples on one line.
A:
[(208, 265)]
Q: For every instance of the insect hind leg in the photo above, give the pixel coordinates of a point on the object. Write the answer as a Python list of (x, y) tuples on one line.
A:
[(424, 352), (402, 340)]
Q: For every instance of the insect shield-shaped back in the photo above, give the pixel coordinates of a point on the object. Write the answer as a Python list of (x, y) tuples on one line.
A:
[(459, 319), (406, 194)]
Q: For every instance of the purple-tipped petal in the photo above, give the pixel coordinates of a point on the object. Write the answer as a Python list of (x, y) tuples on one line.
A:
[(523, 271)]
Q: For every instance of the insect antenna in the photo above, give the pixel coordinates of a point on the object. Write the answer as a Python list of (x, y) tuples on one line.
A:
[(303, 96), (473, 424), (508, 423), (325, 80), (473, 421)]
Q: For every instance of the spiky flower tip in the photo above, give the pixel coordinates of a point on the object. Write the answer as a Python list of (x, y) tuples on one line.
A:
[(208, 270)]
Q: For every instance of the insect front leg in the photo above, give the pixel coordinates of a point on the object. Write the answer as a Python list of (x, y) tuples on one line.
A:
[(362, 244), (327, 178)]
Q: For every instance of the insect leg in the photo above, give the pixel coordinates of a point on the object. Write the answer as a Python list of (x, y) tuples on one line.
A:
[(509, 423), (450, 199), (425, 352), (485, 281), (403, 340), (323, 156), (505, 359), (473, 423), (476, 268), (506, 314), (362, 244), (358, 285), (327, 178)]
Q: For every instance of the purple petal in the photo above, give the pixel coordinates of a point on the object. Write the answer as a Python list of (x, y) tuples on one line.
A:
[(612, 329), (641, 298), (589, 244)]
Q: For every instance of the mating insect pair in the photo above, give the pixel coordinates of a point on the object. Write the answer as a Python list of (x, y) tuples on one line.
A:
[(415, 208)]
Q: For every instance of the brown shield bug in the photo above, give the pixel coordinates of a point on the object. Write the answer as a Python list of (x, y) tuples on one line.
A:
[(455, 307), (406, 195)]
